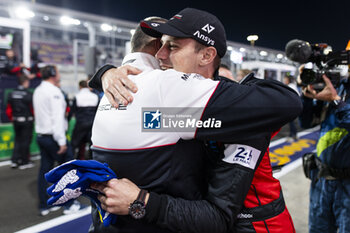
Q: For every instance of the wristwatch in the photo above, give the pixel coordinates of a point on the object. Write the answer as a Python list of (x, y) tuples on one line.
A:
[(137, 209)]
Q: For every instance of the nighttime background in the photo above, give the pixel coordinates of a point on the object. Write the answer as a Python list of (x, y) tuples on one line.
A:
[(276, 23)]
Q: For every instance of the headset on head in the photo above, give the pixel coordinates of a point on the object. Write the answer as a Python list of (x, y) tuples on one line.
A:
[(52, 71), (49, 71)]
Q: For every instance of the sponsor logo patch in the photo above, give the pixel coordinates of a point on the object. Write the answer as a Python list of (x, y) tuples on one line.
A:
[(208, 28), (185, 76), (244, 155), (155, 24), (204, 38), (107, 107), (198, 76), (245, 216)]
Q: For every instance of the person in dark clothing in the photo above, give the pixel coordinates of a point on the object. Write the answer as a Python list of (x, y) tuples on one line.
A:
[(20, 111), (289, 81), (14, 67), (35, 65), (83, 108), (329, 169), (192, 216)]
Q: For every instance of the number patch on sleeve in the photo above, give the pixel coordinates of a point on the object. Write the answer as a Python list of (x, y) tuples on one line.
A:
[(244, 155)]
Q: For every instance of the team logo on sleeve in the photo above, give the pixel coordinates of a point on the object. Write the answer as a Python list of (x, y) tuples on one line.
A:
[(152, 119), (244, 155)]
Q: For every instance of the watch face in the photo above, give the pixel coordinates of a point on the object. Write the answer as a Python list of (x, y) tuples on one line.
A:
[(137, 210)]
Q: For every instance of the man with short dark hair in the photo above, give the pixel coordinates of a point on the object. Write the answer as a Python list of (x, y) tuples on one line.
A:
[(19, 110), (189, 52)]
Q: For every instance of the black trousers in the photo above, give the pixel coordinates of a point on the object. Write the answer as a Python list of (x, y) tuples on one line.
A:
[(81, 135), (48, 159), (23, 137)]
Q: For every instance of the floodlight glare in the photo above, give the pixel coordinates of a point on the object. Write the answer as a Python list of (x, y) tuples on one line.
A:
[(236, 57), (280, 56), (263, 53), (66, 20), (252, 38), (106, 27), (24, 13)]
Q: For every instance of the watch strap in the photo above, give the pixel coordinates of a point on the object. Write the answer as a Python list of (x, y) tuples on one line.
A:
[(142, 196), (137, 209)]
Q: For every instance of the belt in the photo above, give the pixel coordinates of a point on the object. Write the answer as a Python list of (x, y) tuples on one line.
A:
[(263, 212), (44, 135), (23, 118)]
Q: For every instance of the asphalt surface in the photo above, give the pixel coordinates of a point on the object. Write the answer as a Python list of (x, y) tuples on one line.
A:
[(19, 201), (296, 195)]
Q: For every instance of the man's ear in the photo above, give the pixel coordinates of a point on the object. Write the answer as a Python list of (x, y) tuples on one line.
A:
[(208, 55), (152, 46), (157, 43)]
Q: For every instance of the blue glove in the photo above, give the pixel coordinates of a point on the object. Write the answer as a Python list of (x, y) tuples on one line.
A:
[(84, 165), (73, 179), (77, 178)]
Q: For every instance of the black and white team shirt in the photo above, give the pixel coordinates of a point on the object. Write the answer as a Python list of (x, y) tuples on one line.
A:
[(84, 106), (172, 162), (121, 129)]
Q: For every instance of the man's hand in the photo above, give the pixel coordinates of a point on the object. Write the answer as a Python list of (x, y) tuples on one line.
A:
[(327, 94), (62, 149), (118, 195), (116, 85), (31, 76), (301, 68)]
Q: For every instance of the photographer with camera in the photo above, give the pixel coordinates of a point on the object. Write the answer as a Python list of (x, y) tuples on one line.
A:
[(329, 168)]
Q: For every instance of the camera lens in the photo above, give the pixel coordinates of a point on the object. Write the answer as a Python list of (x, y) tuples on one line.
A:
[(308, 76)]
